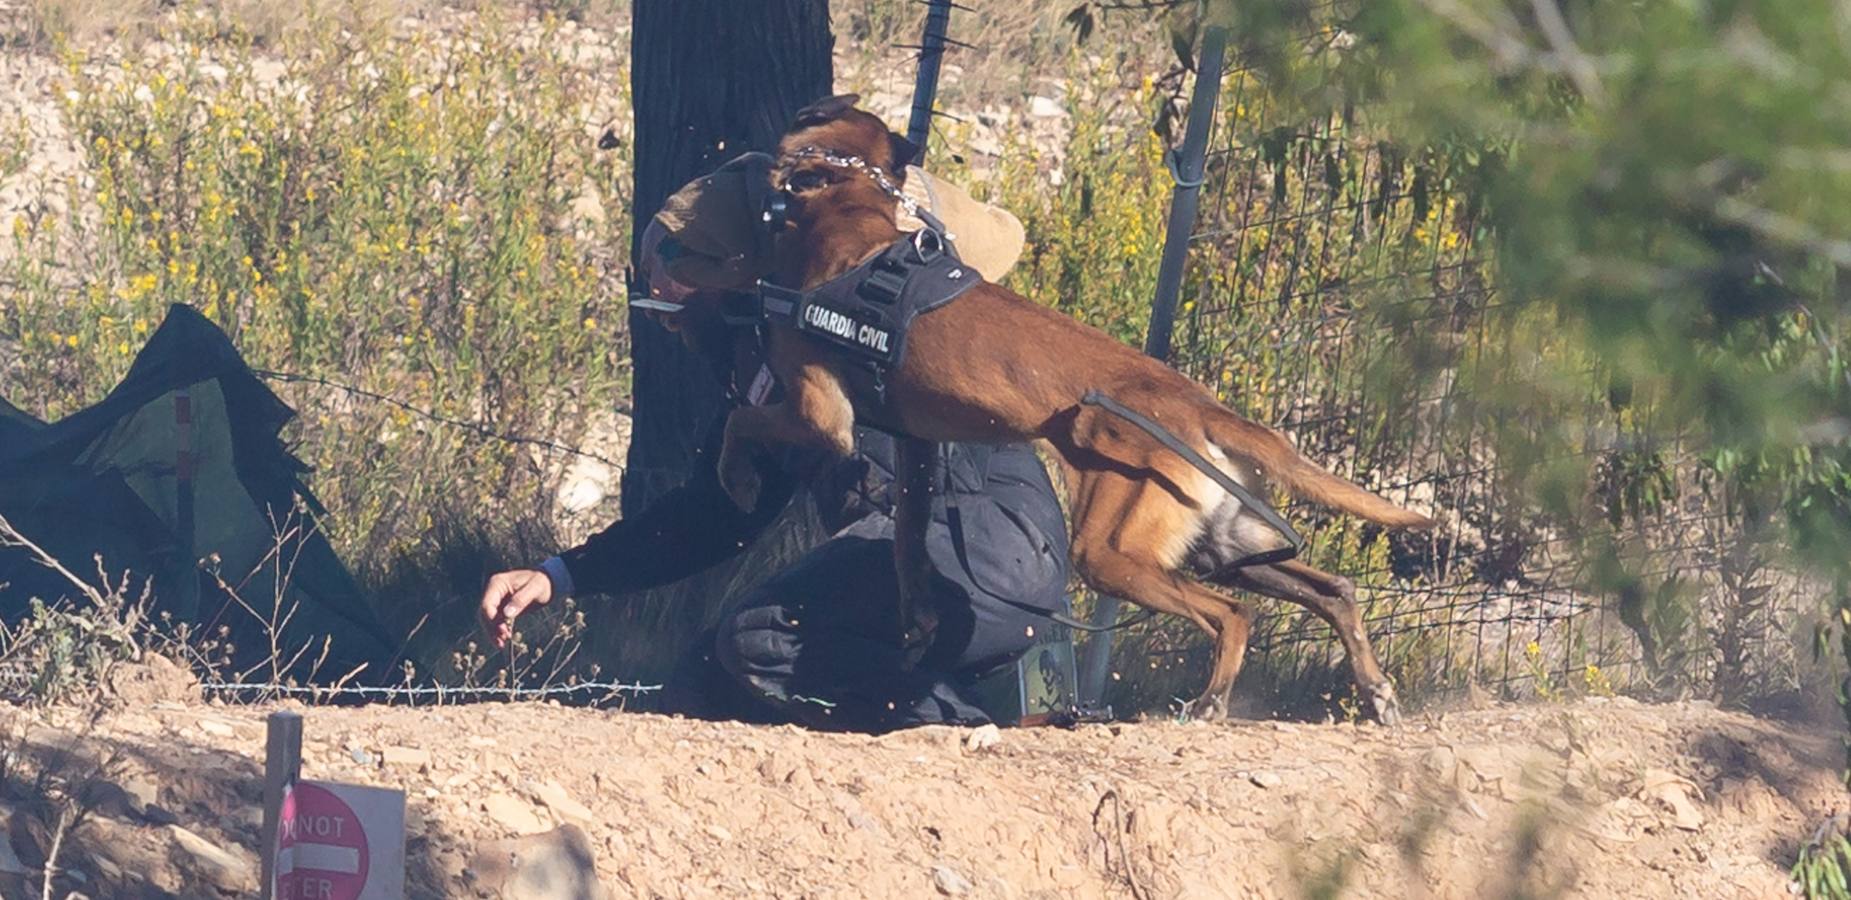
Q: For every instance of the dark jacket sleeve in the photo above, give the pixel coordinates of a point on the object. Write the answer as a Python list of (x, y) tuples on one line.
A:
[(685, 531)]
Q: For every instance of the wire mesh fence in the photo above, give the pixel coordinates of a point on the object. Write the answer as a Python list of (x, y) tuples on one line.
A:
[(1340, 288)]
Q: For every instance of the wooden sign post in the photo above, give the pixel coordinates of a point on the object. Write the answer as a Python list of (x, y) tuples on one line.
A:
[(323, 840)]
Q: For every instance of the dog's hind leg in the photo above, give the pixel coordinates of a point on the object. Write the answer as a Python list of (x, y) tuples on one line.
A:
[(1119, 528), (1333, 599)]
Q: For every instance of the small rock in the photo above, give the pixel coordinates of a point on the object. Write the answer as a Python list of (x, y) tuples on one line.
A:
[(513, 813), (719, 834), (1266, 779), (106, 868), (983, 737), (216, 728), (155, 679), (556, 865), (560, 802), (142, 793), (949, 882), (1677, 794), (1442, 763), (406, 757), (1045, 107), (229, 870), (361, 756)]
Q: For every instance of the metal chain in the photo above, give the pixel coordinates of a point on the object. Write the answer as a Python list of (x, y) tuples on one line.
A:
[(863, 166)]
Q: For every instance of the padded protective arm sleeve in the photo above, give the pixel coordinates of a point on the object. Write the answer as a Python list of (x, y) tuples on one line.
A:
[(686, 531)]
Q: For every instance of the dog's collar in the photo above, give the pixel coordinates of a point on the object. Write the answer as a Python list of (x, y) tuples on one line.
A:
[(855, 163)]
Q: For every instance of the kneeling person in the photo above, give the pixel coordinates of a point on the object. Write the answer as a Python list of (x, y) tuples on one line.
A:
[(816, 644)]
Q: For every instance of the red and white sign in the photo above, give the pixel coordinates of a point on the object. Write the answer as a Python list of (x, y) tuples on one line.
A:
[(340, 842)]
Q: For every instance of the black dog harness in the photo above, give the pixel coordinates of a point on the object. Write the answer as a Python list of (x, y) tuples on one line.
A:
[(868, 310)]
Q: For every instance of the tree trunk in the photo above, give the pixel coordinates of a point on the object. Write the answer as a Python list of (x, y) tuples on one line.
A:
[(710, 79)]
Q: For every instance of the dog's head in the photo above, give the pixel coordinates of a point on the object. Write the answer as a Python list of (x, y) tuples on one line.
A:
[(716, 222), (813, 181)]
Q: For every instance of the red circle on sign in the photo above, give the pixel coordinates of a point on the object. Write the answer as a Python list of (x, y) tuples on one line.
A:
[(321, 851)]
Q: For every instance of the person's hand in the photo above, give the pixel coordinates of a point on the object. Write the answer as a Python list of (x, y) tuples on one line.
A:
[(507, 596)]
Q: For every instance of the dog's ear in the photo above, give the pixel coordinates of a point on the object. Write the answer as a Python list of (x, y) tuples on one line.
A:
[(905, 153), (826, 110)]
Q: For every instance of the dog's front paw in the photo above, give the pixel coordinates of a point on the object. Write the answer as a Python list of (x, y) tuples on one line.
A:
[(740, 479)]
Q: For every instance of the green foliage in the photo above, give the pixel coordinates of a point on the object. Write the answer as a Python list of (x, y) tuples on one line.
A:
[(1820, 870), (61, 653), (422, 217), (1662, 176)]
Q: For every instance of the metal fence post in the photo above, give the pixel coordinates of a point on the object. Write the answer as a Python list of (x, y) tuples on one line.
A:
[(1188, 166), (282, 765), (925, 87)]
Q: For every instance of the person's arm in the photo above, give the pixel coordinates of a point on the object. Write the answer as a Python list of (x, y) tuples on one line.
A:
[(688, 529)]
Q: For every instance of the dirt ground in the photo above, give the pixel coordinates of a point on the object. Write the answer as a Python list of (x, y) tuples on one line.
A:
[(1597, 798)]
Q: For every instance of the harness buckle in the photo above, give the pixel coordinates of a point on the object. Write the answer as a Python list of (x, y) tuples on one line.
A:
[(776, 301), (884, 283), (921, 239)]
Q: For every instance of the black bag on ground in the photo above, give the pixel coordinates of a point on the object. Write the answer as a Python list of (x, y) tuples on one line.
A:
[(182, 463)]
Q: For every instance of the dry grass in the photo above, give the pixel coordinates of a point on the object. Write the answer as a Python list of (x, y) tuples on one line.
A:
[(42, 23)]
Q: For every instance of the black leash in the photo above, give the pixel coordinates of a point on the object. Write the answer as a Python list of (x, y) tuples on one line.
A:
[(1294, 541)]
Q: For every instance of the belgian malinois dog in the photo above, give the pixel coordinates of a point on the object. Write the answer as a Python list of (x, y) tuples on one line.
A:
[(994, 367)]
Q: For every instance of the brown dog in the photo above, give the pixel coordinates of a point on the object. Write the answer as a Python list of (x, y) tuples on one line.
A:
[(993, 367)]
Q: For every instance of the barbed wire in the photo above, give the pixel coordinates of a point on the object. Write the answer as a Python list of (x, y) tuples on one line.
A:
[(504, 693), (476, 427)]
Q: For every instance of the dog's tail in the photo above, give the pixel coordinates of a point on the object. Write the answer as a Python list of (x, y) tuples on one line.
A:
[(1270, 452)]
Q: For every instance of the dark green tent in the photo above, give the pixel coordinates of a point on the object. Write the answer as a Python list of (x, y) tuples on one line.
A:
[(182, 463)]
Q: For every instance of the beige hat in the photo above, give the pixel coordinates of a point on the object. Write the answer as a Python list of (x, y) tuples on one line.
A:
[(987, 237), (714, 222)]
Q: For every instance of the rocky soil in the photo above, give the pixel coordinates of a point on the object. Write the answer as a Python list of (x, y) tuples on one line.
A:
[(1599, 798)]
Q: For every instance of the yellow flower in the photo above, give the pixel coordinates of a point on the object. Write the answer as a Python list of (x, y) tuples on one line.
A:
[(141, 326), (123, 348), (71, 340), (1533, 649), (591, 323), (309, 194)]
